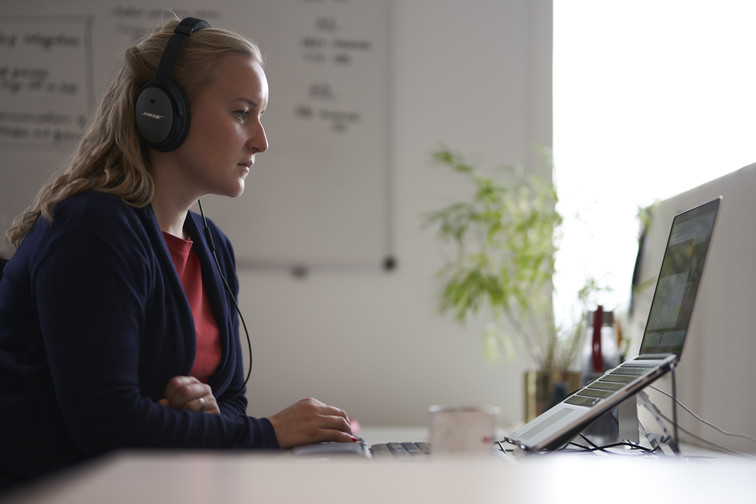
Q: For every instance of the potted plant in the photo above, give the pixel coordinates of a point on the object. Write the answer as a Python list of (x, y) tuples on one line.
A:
[(500, 247)]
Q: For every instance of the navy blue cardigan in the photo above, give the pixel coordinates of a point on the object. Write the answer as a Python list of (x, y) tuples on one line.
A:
[(93, 324)]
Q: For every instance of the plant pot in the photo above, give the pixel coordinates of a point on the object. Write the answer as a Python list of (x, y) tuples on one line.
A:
[(544, 389)]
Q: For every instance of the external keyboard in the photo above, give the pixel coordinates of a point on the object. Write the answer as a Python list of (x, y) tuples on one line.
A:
[(401, 450), (398, 451), (360, 448)]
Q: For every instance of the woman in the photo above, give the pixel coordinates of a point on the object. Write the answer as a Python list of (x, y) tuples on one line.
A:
[(116, 330)]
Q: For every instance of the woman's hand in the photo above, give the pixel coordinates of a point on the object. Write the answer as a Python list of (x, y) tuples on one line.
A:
[(188, 393), (310, 421)]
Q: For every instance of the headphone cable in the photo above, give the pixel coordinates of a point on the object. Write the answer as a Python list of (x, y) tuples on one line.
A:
[(210, 242)]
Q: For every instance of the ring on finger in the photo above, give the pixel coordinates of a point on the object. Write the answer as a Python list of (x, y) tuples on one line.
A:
[(201, 403)]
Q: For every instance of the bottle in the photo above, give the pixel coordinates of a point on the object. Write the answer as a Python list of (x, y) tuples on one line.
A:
[(601, 352)]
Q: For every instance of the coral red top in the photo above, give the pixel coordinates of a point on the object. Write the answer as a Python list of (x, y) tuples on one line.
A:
[(208, 354)]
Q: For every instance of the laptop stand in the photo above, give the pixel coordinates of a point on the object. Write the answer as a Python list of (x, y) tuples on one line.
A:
[(630, 429)]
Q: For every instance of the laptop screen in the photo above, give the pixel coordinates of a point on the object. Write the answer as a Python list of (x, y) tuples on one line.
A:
[(677, 286)]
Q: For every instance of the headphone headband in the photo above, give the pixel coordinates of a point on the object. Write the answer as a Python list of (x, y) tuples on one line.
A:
[(175, 45)]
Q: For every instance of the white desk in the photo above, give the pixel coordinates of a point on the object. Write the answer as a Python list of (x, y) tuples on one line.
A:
[(236, 477)]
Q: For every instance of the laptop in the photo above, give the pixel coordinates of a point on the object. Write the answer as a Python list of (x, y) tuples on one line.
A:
[(661, 347)]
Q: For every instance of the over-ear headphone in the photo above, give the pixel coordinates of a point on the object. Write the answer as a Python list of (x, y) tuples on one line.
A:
[(161, 109)]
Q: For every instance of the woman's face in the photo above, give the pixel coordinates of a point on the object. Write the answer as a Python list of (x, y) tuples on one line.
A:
[(225, 131)]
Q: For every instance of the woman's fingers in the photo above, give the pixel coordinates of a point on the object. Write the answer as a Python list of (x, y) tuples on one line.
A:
[(188, 393), (310, 421)]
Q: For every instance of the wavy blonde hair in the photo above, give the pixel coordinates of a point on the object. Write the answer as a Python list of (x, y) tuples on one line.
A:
[(110, 156)]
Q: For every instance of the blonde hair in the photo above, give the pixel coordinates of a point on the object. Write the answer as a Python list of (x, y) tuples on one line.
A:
[(110, 156)]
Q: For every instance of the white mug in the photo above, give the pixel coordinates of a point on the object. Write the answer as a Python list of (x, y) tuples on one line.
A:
[(469, 431)]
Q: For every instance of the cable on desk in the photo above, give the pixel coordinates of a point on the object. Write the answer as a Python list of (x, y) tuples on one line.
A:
[(697, 417), (507, 441), (586, 449), (710, 443), (605, 448), (501, 446)]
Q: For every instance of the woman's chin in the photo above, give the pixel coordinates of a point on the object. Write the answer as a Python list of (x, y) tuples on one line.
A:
[(236, 191)]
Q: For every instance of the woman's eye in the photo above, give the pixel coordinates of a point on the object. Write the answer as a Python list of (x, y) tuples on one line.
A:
[(242, 114)]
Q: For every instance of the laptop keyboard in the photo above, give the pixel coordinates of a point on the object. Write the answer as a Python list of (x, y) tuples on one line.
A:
[(609, 383)]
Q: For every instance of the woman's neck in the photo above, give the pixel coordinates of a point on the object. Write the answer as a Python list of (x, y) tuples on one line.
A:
[(172, 199), (170, 219)]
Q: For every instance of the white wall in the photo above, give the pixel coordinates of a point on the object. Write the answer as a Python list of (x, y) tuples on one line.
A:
[(475, 75)]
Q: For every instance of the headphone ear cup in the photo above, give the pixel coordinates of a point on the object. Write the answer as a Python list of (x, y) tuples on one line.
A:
[(162, 115)]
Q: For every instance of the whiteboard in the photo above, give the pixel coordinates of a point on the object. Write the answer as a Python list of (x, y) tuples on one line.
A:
[(321, 195)]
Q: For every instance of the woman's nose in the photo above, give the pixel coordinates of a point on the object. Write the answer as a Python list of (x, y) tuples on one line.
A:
[(258, 141)]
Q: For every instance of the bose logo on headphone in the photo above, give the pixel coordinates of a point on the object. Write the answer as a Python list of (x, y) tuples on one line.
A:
[(161, 109), (151, 115)]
